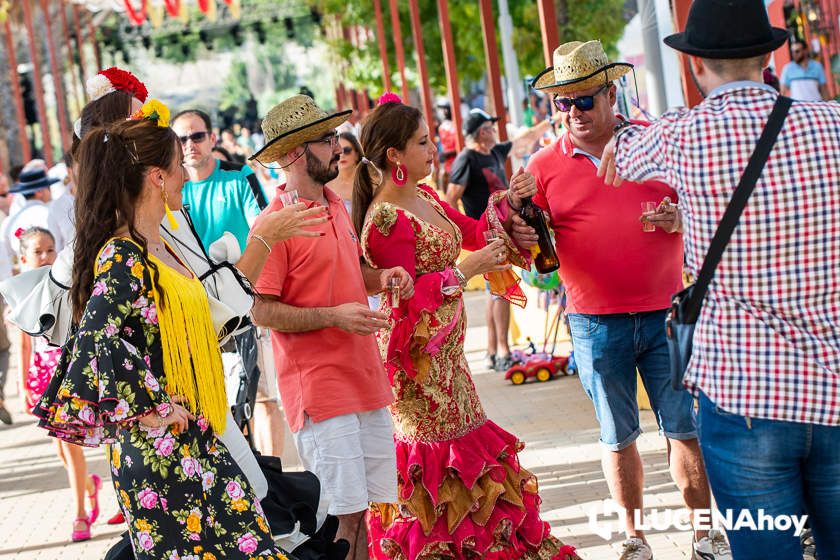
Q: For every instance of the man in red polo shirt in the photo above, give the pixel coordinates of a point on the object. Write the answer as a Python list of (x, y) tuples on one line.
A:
[(619, 277), (314, 298)]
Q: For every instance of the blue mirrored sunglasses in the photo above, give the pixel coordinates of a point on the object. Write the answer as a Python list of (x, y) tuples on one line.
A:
[(583, 103)]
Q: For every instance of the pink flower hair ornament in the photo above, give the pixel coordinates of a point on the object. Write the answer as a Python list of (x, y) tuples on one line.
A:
[(389, 97)]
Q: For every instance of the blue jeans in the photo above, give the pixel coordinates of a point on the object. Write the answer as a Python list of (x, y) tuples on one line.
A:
[(784, 468), (608, 349)]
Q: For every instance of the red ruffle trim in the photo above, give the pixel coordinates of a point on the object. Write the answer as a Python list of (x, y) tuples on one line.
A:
[(483, 451)]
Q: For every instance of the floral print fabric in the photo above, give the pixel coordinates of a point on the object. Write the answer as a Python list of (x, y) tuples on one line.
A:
[(183, 496)]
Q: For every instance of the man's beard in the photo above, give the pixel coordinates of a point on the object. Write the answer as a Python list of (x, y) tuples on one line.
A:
[(318, 172)]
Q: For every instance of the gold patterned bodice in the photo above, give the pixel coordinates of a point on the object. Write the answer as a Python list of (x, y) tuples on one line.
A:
[(443, 404)]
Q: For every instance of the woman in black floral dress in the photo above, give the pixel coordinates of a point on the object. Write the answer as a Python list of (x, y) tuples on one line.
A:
[(143, 370)]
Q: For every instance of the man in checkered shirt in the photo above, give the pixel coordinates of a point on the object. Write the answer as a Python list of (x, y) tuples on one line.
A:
[(766, 358)]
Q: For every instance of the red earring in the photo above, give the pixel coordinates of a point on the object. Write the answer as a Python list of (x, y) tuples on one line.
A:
[(399, 174)]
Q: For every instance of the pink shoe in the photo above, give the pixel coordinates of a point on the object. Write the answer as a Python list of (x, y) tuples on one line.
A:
[(97, 485), (84, 534)]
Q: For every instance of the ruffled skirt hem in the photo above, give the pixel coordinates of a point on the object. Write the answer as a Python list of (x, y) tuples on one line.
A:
[(464, 498)]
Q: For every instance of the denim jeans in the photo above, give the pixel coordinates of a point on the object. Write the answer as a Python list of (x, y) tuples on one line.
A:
[(608, 349), (784, 468)]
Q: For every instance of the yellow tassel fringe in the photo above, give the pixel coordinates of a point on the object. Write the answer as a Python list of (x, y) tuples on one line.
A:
[(192, 361), (170, 218)]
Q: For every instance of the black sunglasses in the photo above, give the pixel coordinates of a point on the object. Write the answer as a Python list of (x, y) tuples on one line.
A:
[(346, 150), (196, 137), (583, 103)]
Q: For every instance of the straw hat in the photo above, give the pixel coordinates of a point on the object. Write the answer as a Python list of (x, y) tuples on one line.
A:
[(579, 66), (291, 123)]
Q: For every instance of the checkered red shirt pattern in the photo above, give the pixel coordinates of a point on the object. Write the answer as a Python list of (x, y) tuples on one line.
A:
[(767, 343)]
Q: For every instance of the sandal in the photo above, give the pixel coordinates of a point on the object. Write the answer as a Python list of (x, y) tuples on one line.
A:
[(84, 534), (117, 519), (97, 485)]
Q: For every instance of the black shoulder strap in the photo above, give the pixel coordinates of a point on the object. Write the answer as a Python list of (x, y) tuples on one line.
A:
[(736, 206), (254, 183)]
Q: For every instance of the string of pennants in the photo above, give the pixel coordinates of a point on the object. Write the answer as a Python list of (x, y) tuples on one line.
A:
[(138, 11)]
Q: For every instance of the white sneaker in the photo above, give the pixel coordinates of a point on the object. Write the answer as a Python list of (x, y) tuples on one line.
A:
[(636, 549), (712, 547)]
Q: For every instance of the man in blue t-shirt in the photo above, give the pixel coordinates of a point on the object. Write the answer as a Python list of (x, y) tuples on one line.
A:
[(222, 196), (225, 196), (803, 79)]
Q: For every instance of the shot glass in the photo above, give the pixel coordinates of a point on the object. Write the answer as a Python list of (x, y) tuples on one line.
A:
[(648, 208), (393, 292), (289, 198)]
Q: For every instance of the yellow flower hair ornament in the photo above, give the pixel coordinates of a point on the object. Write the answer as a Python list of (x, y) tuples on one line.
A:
[(154, 110)]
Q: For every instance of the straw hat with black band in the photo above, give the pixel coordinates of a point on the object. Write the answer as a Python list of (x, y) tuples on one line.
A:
[(293, 122), (579, 66)]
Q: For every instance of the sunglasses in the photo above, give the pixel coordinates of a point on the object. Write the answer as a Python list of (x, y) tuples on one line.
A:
[(346, 150), (196, 137), (583, 103)]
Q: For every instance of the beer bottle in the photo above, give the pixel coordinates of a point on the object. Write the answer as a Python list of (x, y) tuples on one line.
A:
[(545, 258)]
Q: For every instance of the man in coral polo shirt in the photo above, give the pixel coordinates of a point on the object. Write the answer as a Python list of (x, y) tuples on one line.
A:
[(619, 278), (314, 298)]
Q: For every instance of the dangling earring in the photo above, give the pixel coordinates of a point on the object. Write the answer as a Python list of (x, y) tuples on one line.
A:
[(399, 174), (169, 216)]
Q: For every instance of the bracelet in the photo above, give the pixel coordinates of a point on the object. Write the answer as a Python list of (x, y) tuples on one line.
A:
[(264, 242), (510, 203), (622, 125), (462, 280)]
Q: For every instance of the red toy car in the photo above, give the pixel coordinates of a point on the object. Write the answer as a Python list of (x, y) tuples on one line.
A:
[(541, 365)]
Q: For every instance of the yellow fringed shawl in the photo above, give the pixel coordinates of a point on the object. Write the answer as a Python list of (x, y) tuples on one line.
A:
[(192, 361)]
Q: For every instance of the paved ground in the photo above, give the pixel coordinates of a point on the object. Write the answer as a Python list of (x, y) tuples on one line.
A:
[(555, 419)]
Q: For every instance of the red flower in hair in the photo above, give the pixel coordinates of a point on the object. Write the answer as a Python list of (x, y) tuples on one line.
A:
[(123, 80), (389, 97), (19, 231)]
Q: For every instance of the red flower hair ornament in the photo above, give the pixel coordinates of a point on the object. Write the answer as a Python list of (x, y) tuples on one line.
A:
[(389, 97), (115, 79)]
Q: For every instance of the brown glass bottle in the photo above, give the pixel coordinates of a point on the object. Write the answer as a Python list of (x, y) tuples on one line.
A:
[(545, 258)]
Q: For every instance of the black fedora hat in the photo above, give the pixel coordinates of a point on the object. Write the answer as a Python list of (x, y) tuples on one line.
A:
[(32, 181), (728, 29)]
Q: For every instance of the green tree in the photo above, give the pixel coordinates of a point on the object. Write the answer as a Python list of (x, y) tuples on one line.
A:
[(235, 91), (361, 67)]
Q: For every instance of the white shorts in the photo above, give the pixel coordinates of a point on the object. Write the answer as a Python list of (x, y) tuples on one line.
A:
[(353, 456)]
